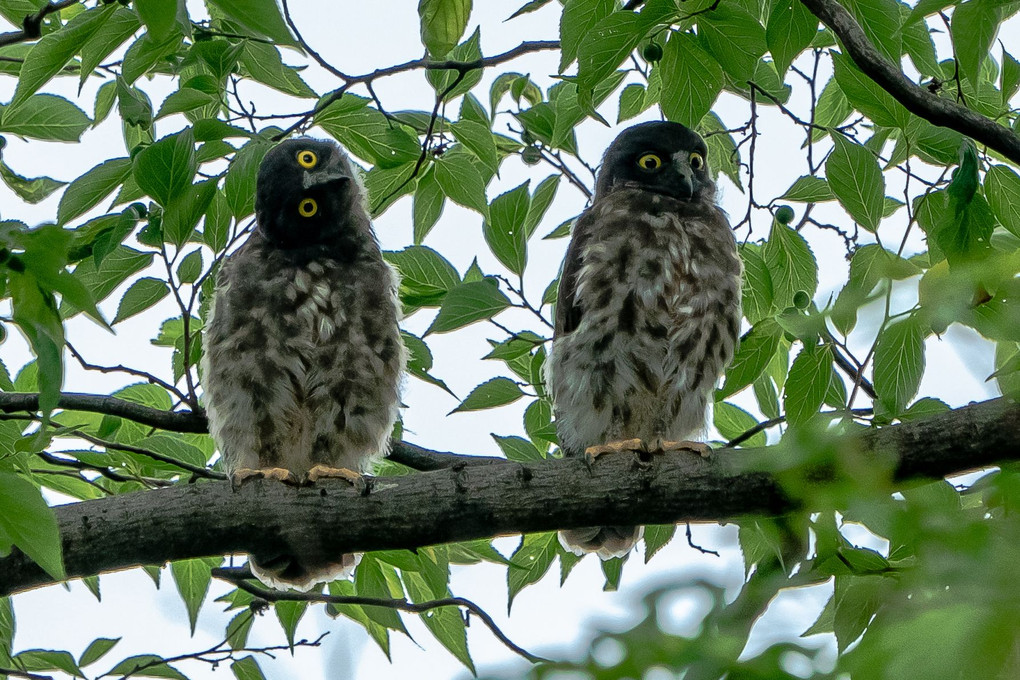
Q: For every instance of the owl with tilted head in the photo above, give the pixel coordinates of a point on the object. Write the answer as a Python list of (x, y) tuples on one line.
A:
[(303, 356), (648, 310)]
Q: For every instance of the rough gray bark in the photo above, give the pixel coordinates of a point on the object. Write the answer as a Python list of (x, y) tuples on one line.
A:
[(915, 98), (465, 501)]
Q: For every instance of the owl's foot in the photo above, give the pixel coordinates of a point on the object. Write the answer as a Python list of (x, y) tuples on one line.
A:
[(618, 446), (242, 475), (326, 472), (666, 446)]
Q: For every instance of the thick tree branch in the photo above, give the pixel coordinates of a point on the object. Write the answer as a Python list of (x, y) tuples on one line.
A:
[(915, 98), (475, 501)]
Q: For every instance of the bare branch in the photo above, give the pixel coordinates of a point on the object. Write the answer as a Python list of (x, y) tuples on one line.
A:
[(918, 100), (32, 25), (237, 577), (173, 421), (466, 502)]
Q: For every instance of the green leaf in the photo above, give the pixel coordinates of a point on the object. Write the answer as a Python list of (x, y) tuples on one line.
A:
[(159, 16), (239, 628), (540, 202), (386, 185), (856, 179), (46, 117), (428, 205), (468, 303), (530, 562), (791, 28), (367, 133), (578, 19), (445, 623), (1010, 77), (606, 46), (134, 105), (89, 189), (632, 102), (808, 189), (460, 181), (264, 64), (899, 364), (754, 353), (54, 51), (1002, 190), (357, 613), (143, 293), (479, 140), (518, 448), (247, 668), (733, 421), (217, 223), (735, 38), (425, 275), (443, 80), (370, 580), (757, 295), (164, 170), (867, 96), (656, 538), (120, 26), (183, 100), (145, 53), (505, 232), (190, 267), (31, 190), (192, 579), (185, 210), (146, 666), (47, 660), (442, 24), (96, 650), (856, 599), (807, 384), (973, 28), (239, 185), (419, 361), (260, 17), (490, 394), (691, 80), (289, 615), (880, 20), (30, 524), (115, 268), (791, 264)]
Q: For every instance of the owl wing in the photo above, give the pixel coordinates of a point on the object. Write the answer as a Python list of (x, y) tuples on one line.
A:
[(568, 309)]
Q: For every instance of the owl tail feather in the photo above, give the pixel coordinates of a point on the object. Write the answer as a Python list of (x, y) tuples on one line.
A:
[(287, 572), (606, 542)]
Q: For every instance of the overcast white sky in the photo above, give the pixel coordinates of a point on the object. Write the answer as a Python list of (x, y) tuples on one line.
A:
[(552, 621)]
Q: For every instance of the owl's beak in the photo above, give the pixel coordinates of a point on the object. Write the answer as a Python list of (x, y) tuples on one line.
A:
[(684, 175), (332, 171)]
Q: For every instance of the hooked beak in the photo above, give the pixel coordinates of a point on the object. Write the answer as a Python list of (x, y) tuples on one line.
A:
[(685, 174), (332, 171)]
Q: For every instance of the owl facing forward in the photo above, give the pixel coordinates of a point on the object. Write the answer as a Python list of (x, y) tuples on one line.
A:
[(303, 356), (648, 310)]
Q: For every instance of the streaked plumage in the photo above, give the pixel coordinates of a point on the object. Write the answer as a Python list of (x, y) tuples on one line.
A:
[(648, 310), (303, 356)]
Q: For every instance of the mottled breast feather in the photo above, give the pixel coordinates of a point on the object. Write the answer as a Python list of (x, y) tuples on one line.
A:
[(647, 318)]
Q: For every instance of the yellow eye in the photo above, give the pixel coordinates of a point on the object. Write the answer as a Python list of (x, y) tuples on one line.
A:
[(308, 207), (650, 162), (307, 159), (697, 161)]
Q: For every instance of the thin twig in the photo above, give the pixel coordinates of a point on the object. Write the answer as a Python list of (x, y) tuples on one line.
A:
[(32, 23), (120, 368), (237, 577)]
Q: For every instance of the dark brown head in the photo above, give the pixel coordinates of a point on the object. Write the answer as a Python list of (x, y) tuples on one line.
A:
[(307, 194), (661, 157)]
